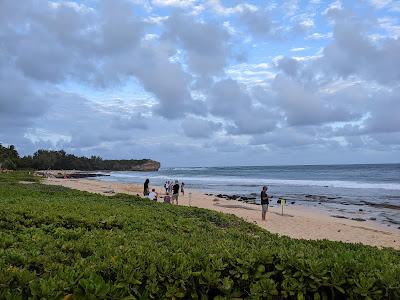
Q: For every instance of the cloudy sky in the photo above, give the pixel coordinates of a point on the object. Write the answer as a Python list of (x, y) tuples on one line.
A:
[(194, 83)]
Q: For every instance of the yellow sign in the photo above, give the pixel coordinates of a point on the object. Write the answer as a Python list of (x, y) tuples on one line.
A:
[(282, 204)]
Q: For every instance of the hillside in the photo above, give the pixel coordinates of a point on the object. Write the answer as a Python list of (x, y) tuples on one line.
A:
[(56, 242), (60, 160)]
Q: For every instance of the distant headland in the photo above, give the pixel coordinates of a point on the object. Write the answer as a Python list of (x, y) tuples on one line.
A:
[(60, 160)]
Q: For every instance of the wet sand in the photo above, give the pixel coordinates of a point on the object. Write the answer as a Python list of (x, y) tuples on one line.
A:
[(297, 222)]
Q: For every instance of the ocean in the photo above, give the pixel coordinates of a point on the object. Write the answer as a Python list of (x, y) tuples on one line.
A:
[(368, 191)]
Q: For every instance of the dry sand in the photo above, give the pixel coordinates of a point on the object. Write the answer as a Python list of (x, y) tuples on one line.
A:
[(297, 222)]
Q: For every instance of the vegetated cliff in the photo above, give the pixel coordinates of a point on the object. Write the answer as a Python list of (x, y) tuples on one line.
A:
[(60, 160), (131, 165)]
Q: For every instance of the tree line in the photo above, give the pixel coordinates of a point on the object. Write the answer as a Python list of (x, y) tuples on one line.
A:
[(60, 160)]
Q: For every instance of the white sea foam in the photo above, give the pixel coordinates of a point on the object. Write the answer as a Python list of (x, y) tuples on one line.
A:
[(241, 181)]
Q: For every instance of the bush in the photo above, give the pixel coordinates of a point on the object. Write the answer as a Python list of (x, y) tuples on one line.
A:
[(56, 242)]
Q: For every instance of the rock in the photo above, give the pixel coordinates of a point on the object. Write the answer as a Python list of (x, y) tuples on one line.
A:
[(220, 196), (360, 209), (293, 202), (339, 217), (358, 219), (308, 196), (372, 218), (278, 201), (382, 205), (319, 203), (244, 198)]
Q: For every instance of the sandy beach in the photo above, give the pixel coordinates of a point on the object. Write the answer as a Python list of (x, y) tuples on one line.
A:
[(297, 222)]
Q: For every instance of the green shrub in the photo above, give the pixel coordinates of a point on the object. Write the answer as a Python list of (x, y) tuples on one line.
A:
[(57, 242)]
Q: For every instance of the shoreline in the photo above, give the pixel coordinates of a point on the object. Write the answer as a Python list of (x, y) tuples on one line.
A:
[(297, 222)]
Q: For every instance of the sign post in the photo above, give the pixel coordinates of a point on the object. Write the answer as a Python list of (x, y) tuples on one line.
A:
[(282, 205), (190, 199)]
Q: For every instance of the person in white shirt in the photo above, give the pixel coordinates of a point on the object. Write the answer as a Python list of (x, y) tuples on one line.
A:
[(152, 195)]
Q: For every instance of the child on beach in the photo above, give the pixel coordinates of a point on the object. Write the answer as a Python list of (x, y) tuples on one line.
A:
[(167, 198), (264, 202)]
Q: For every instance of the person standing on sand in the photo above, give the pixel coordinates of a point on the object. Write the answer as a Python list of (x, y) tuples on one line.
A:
[(264, 202), (146, 187), (182, 188), (175, 194), (166, 185)]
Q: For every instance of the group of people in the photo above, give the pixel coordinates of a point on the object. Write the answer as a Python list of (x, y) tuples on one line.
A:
[(170, 184), (171, 188)]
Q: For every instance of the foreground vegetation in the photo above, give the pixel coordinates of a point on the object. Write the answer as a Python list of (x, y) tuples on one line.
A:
[(56, 242), (60, 160)]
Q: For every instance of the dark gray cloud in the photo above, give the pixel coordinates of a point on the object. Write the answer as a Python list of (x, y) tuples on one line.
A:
[(288, 137), (136, 121), (205, 44), (20, 102), (165, 79), (229, 100), (304, 105), (259, 23), (199, 128), (353, 53), (289, 66)]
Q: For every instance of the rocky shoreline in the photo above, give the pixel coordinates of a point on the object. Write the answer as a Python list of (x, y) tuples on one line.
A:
[(68, 174), (357, 214)]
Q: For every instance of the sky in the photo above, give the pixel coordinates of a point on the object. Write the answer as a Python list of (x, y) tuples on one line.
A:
[(203, 83)]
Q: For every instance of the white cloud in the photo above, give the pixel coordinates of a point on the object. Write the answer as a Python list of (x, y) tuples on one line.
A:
[(298, 49), (319, 36), (223, 10), (390, 25), (307, 24), (379, 4), (174, 3)]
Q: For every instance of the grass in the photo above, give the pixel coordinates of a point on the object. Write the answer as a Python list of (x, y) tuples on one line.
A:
[(57, 242)]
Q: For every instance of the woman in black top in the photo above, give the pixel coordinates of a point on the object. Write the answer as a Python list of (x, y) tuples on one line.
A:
[(264, 202), (146, 187)]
